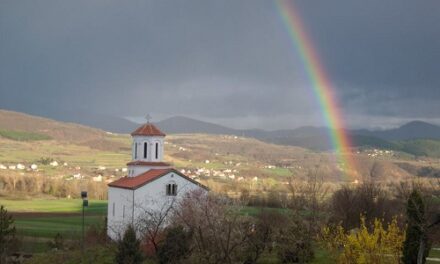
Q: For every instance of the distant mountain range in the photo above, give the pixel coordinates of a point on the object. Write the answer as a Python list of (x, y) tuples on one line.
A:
[(409, 137), (310, 137), (411, 130)]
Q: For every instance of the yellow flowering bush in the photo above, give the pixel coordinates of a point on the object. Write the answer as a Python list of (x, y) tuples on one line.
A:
[(364, 246)]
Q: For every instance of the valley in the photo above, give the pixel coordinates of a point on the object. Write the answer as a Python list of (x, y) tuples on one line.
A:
[(74, 157), (45, 164)]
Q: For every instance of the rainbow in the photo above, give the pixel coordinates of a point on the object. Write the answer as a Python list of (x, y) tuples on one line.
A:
[(321, 85)]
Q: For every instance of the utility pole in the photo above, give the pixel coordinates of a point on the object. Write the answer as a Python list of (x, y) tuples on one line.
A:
[(85, 203)]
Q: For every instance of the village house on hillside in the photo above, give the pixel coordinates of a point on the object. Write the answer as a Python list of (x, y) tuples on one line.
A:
[(150, 185)]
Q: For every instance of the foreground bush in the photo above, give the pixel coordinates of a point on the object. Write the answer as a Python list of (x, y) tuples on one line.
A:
[(378, 246), (175, 248), (129, 248), (8, 241), (295, 245), (98, 254)]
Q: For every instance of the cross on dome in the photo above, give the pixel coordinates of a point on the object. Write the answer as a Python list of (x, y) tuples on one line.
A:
[(148, 118)]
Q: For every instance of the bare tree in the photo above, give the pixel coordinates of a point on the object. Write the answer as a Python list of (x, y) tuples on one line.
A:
[(310, 196), (217, 227), (264, 232), (154, 217)]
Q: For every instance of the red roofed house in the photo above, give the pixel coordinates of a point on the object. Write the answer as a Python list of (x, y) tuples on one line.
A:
[(150, 185)]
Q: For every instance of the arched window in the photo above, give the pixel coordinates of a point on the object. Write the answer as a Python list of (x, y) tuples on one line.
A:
[(135, 150), (157, 150), (171, 189), (145, 149)]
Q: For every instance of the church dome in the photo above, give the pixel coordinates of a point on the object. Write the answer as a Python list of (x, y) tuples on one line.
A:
[(148, 129)]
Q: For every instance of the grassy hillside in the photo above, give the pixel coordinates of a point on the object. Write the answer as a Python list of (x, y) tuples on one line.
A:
[(18, 126), (23, 135), (227, 163), (224, 159), (416, 147), (421, 147)]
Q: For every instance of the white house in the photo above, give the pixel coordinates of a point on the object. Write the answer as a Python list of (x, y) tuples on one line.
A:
[(151, 184)]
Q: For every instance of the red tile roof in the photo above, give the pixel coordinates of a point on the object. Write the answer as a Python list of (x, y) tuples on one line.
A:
[(148, 163), (148, 129), (138, 181)]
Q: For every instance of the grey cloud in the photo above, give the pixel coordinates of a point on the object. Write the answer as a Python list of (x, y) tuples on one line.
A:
[(228, 61)]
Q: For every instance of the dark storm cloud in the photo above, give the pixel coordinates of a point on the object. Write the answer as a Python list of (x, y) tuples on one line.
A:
[(230, 61)]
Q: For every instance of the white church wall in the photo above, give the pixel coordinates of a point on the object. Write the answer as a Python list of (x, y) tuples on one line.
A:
[(120, 211), (153, 197), (150, 198)]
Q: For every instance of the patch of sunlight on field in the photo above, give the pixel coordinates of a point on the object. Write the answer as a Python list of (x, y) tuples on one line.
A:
[(279, 172), (48, 206)]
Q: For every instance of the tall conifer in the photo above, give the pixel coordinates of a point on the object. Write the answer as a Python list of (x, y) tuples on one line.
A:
[(416, 245)]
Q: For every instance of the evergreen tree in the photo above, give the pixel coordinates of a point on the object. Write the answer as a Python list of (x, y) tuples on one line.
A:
[(7, 233), (415, 247), (129, 248), (175, 247)]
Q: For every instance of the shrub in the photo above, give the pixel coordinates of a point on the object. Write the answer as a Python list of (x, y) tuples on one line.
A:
[(57, 243), (377, 246), (295, 245), (7, 234), (262, 234), (128, 248), (175, 247)]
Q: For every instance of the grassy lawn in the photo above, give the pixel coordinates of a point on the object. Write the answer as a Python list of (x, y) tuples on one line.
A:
[(54, 206), (434, 253), (68, 226)]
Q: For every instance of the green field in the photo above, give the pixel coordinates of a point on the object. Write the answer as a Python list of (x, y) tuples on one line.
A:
[(68, 226), (54, 206), (283, 172), (46, 218)]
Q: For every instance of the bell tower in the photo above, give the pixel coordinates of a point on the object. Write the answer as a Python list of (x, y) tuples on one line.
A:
[(147, 150)]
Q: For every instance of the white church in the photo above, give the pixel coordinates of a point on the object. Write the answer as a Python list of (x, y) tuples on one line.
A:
[(150, 184)]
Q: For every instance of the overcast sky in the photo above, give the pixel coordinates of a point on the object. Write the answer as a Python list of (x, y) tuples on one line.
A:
[(225, 61)]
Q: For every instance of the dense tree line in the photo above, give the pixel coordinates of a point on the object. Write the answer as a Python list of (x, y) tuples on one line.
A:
[(57, 187)]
